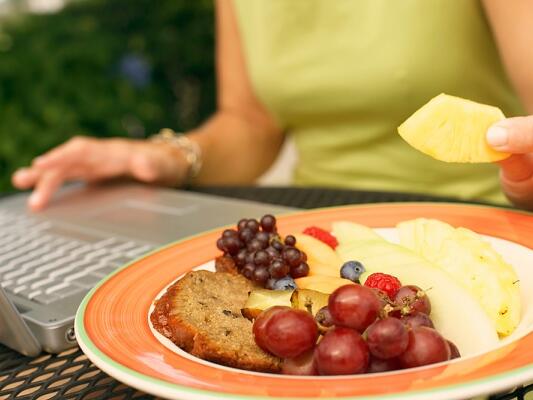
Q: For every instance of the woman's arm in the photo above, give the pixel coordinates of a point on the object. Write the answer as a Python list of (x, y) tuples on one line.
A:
[(512, 24), (241, 140)]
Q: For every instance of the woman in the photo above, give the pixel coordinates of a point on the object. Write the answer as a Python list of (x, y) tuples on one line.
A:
[(340, 77)]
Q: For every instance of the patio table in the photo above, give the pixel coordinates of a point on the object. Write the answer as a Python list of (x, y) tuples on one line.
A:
[(70, 375)]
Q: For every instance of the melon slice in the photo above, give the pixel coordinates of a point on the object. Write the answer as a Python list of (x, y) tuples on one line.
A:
[(453, 129), (348, 232), (471, 262)]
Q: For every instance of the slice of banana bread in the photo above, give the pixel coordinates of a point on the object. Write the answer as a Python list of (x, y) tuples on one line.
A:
[(201, 313)]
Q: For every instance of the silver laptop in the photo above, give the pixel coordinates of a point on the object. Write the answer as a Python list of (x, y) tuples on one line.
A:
[(50, 260)]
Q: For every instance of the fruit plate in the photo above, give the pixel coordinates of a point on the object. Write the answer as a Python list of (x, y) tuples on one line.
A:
[(114, 332)]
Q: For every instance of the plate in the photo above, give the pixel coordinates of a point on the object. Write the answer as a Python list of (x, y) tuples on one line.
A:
[(113, 330)]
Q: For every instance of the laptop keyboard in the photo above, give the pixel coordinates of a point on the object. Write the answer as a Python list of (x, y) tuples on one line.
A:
[(40, 263)]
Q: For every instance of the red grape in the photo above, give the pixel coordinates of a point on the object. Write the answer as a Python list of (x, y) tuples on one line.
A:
[(454, 351), (414, 298), (341, 351), (417, 319), (323, 317), (387, 338), (304, 364), (260, 322), (354, 306), (379, 365), (287, 333), (426, 346)]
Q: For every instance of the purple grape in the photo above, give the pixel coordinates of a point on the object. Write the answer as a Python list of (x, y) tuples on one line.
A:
[(242, 224), (268, 223), (261, 258), (232, 244), (253, 225), (263, 237), (255, 245), (221, 245), (273, 253), (246, 235), (290, 240), (292, 256), (277, 245), (240, 258), (230, 233), (248, 270), (300, 271), (278, 269), (260, 275)]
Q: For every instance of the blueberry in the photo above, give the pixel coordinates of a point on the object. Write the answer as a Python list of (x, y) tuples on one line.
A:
[(352, 270), (285, 283)]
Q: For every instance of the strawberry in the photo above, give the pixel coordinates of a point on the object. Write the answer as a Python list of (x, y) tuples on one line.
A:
[(322, 235), (387, 283)]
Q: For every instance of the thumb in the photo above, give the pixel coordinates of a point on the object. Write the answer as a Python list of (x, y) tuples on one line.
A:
[(512, 135)]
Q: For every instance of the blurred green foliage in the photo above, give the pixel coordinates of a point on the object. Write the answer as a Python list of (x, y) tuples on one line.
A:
[(102, 68)]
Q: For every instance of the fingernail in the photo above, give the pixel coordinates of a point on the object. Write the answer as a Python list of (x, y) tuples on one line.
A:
[(497, 136), (19, 173), (34, 200)]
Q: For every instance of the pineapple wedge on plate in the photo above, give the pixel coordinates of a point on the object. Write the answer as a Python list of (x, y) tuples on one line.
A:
[(471, 262), (453, 129)]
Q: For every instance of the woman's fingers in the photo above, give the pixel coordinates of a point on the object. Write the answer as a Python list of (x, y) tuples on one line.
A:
[(512, 135), (72, 151), (516, 177), (47, 185), (517, 168), (25, 178)]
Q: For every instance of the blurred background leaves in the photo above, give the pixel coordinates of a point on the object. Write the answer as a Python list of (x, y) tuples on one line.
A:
[(102, 68)]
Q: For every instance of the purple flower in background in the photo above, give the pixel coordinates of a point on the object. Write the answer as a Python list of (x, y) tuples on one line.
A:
[(135, 69)]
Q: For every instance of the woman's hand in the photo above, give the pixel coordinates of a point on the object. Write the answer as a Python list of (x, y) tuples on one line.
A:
[(515, 135), (89, 159)]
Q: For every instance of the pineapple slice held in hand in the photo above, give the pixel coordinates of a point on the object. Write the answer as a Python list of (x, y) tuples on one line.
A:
[(453, 129)]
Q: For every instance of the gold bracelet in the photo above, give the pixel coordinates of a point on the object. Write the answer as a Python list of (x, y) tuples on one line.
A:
[(190, 149)]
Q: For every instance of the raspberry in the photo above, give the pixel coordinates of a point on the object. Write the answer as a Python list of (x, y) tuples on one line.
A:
[(387, 283), (322, 235)]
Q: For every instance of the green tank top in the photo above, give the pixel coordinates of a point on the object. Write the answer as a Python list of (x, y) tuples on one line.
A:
[(340, 76)]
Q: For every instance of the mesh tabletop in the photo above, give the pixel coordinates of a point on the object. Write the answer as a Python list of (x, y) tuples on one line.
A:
[(70, 375)]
